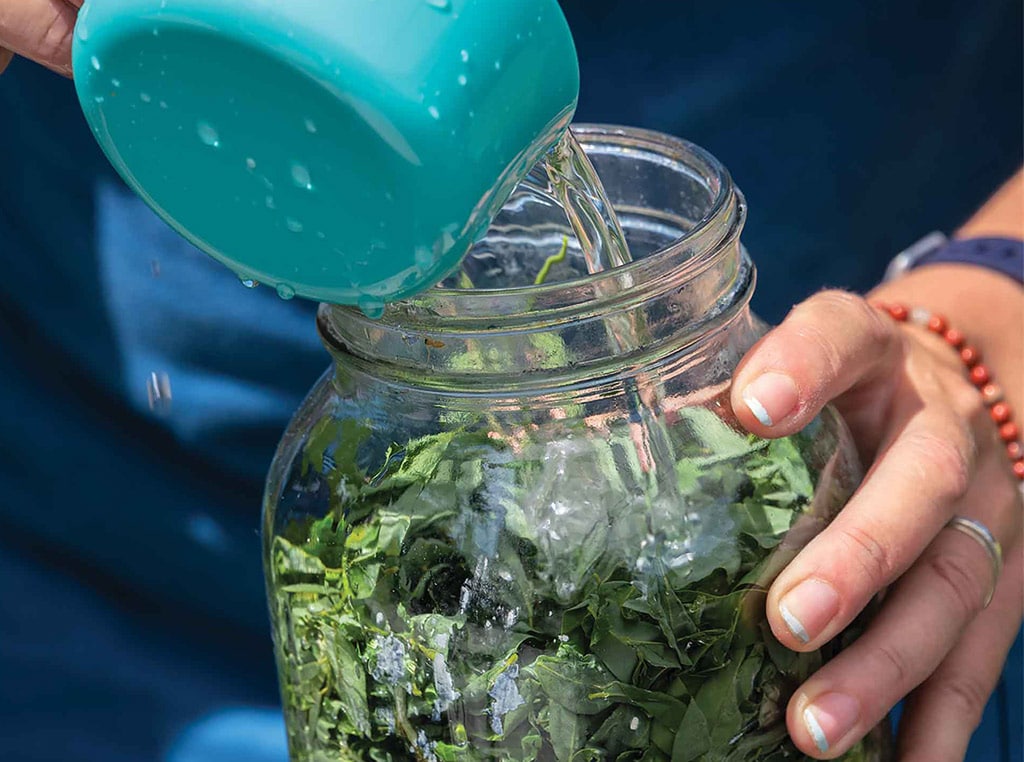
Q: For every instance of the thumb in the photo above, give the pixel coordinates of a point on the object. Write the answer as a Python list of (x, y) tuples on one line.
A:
[(827, 345)]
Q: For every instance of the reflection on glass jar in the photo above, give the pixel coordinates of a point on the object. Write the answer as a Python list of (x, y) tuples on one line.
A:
[(520, 522)]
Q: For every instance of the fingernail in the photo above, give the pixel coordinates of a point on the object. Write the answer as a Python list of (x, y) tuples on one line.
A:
[(808, 608), (832, 715), (771, 397)]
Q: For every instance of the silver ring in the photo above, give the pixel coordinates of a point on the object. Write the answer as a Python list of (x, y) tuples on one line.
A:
[(981, 534)]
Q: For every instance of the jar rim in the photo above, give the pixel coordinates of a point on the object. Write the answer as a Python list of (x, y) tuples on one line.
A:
[(444, 309), (611, 133)]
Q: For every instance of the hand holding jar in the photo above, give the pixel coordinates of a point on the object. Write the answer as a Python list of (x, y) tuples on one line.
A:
[(937, 436)]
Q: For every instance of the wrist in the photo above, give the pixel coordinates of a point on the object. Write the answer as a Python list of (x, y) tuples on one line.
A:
[(997, 253), (986, 306)]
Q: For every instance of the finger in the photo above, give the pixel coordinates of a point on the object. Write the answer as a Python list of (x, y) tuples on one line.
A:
[(944, 712), (903, 503), (826, 346), (41, 30), (919, 623), (6, 56)]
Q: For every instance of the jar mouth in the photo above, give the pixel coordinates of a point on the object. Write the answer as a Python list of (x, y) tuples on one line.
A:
[(715, 212)]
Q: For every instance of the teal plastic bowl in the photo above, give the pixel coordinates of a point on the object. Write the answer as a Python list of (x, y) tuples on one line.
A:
[(348, 151)]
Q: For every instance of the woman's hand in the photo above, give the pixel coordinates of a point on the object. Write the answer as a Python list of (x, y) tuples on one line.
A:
[(40, 30), (933, 453)]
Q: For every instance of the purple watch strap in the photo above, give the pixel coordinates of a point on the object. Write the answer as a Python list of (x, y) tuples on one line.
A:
[(1004, 255)]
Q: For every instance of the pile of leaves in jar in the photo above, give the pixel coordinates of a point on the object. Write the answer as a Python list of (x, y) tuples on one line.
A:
[(476, 597)]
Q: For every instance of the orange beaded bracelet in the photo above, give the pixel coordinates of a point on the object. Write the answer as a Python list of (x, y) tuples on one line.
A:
[(979, 375)]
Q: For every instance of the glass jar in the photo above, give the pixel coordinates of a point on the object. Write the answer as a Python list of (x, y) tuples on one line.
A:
[(519, 521)]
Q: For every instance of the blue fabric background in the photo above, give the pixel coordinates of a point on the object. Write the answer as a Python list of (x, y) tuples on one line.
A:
[(132, 619)]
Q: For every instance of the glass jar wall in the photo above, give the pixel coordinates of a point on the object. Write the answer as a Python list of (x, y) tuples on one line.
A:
[(516, 519)]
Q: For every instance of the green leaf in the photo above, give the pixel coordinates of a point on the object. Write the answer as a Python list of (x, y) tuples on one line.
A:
[(746, 675), (350, 675), (308, 589), (625, 728), (693, 739), (363, 580), (422, 456), (717, 700), (347, 436), (434, 553), (659, 706), (765, 523), (291, 560), (567, 730), (392, 528), (571, 679), (618, 658), (641, 636)]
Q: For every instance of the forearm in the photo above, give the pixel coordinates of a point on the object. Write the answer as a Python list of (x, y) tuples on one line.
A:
[(1002, 215), (987, 306)]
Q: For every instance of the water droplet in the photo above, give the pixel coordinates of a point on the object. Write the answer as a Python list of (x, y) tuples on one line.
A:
[(497, 65), (285, 291), (250, 283), (158, 391), (463, 80), (208, 134), (371, 306), (250, 163), (320, 234), (434, 112), (163, 104), (95, 63), (269, 201), (83, 32), (154, 267), (464, 55), (145, 97), (310, 126), (156, 31), (115, 82), (441, 5), (293, 225), (98, 99), (634, 723), (207, 532), (300, 176), (424, 258)]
